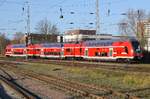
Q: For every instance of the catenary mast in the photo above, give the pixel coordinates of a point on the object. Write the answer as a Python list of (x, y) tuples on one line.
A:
[(97, 18)]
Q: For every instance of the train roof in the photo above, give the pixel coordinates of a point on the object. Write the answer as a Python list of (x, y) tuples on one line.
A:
[(18, 46), (105, 42), (51, 45), (98, 43)]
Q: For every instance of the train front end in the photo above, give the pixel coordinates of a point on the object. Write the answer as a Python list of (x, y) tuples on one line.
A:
[(137, 51)]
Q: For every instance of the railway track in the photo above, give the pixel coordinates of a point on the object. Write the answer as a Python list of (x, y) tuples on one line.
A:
[(111, 66), (23, 93), (79, 89)]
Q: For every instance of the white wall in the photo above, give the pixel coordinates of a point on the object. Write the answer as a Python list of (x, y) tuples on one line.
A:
[(147, 47)]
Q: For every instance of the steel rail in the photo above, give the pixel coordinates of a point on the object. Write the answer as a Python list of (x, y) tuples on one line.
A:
[(18, 89), (72, 86)]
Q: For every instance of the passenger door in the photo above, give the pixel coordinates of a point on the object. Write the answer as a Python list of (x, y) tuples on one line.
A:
[(86, 52), (110, 52)]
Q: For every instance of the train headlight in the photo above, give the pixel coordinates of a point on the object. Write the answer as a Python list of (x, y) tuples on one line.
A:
[(131, 50)]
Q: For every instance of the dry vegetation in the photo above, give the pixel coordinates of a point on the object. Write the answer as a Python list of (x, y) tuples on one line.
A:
[(118, 80)]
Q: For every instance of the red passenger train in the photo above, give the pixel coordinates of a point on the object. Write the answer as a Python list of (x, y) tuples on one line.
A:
[(51, 50), (117, 50), (15, 50)]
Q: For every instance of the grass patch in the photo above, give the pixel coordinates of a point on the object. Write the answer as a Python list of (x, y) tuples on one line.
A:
[(112, 78), (118, 80), (136, 81)]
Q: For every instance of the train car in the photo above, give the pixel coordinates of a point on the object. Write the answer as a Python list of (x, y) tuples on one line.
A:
[(37, 48), (30, 50), (73, 51), (108, 50), (115, 50), (34, 50), (51, 50), (16, 50), (8, 51)]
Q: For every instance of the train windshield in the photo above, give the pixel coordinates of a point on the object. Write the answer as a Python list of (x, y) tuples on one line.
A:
[(136, 46)]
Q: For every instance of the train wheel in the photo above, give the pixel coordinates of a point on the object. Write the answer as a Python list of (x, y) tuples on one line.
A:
[(128, 61), (119, 60)]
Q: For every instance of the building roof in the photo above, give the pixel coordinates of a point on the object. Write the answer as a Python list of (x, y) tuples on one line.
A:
[(80, 31)]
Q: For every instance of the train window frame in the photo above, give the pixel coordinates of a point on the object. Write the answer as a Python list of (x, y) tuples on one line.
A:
[(126, 49), (38, 49)]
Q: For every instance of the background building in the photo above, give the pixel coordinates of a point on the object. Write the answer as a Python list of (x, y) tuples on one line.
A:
[(147, 34), (41, 38), (79, 31), (83, 35)]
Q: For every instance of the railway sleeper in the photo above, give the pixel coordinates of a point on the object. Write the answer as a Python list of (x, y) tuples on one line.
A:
[(57, 83)]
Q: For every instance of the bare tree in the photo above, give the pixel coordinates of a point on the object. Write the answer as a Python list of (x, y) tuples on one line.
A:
[(3, 42), (45, 27), (17, 38), (132, 24)]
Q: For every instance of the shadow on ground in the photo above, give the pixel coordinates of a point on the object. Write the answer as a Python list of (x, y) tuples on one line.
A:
[(3, 94), (146, 57)]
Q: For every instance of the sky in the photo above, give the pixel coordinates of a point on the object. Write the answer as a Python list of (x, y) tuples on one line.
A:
[(13, 18)]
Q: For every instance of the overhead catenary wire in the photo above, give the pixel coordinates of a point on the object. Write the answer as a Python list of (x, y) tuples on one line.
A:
[(68, 8)]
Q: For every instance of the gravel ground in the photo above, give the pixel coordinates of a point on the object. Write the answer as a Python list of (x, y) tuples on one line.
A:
[(7, 93), (39, 88)]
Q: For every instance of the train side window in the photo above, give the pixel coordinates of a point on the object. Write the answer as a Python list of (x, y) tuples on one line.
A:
[(18, 52), (45, 53), (101, 54), (80, 50), (68, 50), (126, 50), (37, 49), (96, 54), (104, 54), (115, 50), (8, 50)]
